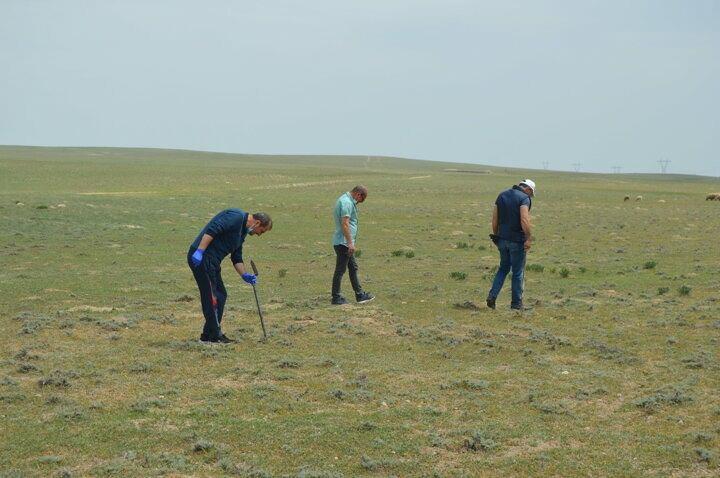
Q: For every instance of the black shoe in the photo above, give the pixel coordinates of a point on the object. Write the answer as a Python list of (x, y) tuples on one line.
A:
[(339, 300), (517, 306), (490, 302), (363, 297), (223, 339)]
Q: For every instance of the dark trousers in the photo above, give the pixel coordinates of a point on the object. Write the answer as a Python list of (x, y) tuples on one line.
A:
[(344, 261), (212, 294)]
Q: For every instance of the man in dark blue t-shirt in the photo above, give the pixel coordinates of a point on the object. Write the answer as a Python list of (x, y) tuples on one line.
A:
[(512, 235), (223, 235)]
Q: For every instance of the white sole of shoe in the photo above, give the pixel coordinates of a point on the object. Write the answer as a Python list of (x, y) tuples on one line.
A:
[(365, 301)]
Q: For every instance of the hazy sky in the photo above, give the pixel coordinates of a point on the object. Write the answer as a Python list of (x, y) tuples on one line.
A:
[(516, 83)]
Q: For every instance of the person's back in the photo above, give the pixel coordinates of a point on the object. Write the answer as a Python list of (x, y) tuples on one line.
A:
[(508, 205), (228, 230)]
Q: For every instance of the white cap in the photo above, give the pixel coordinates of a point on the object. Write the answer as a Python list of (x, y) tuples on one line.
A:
[(529, 183)]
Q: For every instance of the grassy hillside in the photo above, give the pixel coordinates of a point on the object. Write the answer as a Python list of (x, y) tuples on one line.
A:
[(612, 372)]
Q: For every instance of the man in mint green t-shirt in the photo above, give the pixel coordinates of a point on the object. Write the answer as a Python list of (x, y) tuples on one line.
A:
[(346, 227)]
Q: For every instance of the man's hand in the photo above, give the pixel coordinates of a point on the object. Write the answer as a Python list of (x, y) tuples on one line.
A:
[(351, 248), (197, 257), (249, 278), (527, 245)]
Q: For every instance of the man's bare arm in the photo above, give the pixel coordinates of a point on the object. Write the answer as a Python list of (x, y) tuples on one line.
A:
[(239, 267), (525, 225), (346, 232), (205, 241), (495, 222)]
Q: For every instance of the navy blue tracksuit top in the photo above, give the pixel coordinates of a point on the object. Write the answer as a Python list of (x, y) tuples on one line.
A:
[(508, 205), (228, 229)]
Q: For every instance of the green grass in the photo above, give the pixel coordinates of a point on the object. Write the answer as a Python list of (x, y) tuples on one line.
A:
[(612, 372)]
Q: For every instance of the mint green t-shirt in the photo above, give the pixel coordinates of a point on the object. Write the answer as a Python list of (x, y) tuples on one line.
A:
[(345, 206)]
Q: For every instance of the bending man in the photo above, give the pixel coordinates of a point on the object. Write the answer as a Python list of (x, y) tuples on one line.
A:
[(223, 235), (512, 236)]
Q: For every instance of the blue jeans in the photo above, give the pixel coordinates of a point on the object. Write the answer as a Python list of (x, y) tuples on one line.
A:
[(512, 256)]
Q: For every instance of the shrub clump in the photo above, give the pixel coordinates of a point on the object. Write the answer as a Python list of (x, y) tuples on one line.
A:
[(535, 267), (684, 290), (145, 405), (57, 378), (548, 338), (288, 363), (458, 275), (479, 441), (699, 360), (704, 455), (242, 469), (670, 395), (564, 272), (203, 446), (470, 384), (649, 265), (310, 473), (373, 465)]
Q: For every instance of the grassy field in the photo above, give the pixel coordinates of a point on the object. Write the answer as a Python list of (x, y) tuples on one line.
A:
[(613, 371)]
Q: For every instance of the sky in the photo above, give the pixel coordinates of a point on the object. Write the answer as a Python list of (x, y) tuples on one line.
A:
[(567, 85)]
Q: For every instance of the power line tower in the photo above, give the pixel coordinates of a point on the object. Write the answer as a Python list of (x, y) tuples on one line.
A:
[(577, 167), (616, 169), (664, 164), (545, 165)]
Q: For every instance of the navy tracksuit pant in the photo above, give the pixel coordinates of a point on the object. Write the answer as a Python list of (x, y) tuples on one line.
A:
[(212, 294)]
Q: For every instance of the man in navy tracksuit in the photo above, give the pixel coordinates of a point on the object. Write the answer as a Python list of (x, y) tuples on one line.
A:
[(512, 236), (223, 235)]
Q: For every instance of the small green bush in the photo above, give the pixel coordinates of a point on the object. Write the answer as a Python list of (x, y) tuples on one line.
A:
[(650, 265), (288, 363), (684, 290), (49, 459), (704, 455), (375, 465), (462, 245), (535, 267), (458, 275), (409, 254), (203, 446), (397, 253), (283, 272), (564, 272), (663, 290), (480, 442)]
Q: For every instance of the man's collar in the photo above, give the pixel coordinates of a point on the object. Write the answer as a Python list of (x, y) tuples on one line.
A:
[(243, 229), (515, 186), (352, 198)]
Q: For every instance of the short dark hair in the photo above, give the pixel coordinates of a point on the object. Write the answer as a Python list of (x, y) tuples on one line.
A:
[(264, 218)]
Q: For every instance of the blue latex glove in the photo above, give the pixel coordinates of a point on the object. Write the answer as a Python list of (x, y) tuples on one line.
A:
[(249, 278), (197, 257)]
